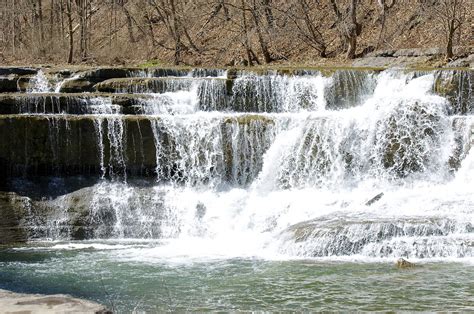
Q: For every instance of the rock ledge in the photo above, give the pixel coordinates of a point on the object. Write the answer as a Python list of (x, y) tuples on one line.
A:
[(11, 302)]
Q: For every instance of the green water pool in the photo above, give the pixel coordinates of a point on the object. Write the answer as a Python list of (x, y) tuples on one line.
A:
[(118, 277)]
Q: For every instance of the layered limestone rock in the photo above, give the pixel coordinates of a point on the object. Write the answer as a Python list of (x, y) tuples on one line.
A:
[(71, 145), (9, 84), (65, 145), (14, 210), (178, 136), (73, 103), (416, 237), (458, 87)]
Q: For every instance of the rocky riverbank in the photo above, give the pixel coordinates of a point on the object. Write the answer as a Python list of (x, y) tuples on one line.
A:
[(11, 302)]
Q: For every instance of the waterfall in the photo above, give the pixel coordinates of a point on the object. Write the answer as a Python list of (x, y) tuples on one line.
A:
[(39, 84), (350, 163)]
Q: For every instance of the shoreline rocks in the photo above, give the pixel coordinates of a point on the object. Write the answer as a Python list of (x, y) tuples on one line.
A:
[(11, 302)]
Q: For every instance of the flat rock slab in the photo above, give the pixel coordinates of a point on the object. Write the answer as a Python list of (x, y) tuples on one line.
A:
[(11, 302)]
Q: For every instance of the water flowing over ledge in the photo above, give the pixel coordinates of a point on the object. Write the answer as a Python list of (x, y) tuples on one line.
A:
[(215, 163)]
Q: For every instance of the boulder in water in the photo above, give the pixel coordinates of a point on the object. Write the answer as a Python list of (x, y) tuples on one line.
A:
[(374, 199), (403, 263)]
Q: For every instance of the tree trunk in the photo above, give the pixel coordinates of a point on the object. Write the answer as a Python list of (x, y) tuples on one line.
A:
[(449, 43), (70, 30), (263, 44), (13, 28), (51, 22), (63, 35), (177, 34), (315, 34), (248, 51), (351, 49), (268, 13), (352, 30), (129, 24), (40, 16)]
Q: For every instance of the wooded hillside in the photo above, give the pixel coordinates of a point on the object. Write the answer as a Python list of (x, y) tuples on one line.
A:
[(225, 32)]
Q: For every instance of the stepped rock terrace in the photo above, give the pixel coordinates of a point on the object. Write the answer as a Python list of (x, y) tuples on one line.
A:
[(133, 137), (293, 185)]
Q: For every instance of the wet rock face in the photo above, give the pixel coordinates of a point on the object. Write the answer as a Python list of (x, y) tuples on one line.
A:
[(76, 86), (72, 103), (49, 145), (102, 74), (85, 80), (8, 84), (117, 146), (4, 71), (458, 88), (13, 79), (389, 238), (143, 85), (98, 211), (52, 145), (13, 209)]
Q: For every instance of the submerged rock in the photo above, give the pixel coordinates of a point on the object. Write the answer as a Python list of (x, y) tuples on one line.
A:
[(403, 263), (374, 199)]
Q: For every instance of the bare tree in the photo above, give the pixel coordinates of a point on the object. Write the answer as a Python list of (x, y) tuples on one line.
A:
[(219, 31), (385, 6), (348, 27), (70, 30), (451, 14), (259, 29), (308, 29)]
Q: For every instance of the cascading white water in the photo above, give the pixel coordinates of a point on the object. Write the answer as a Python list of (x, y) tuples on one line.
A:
[(279, 93), (39, 84), (296, 179), (184, 96), (107, 113)]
